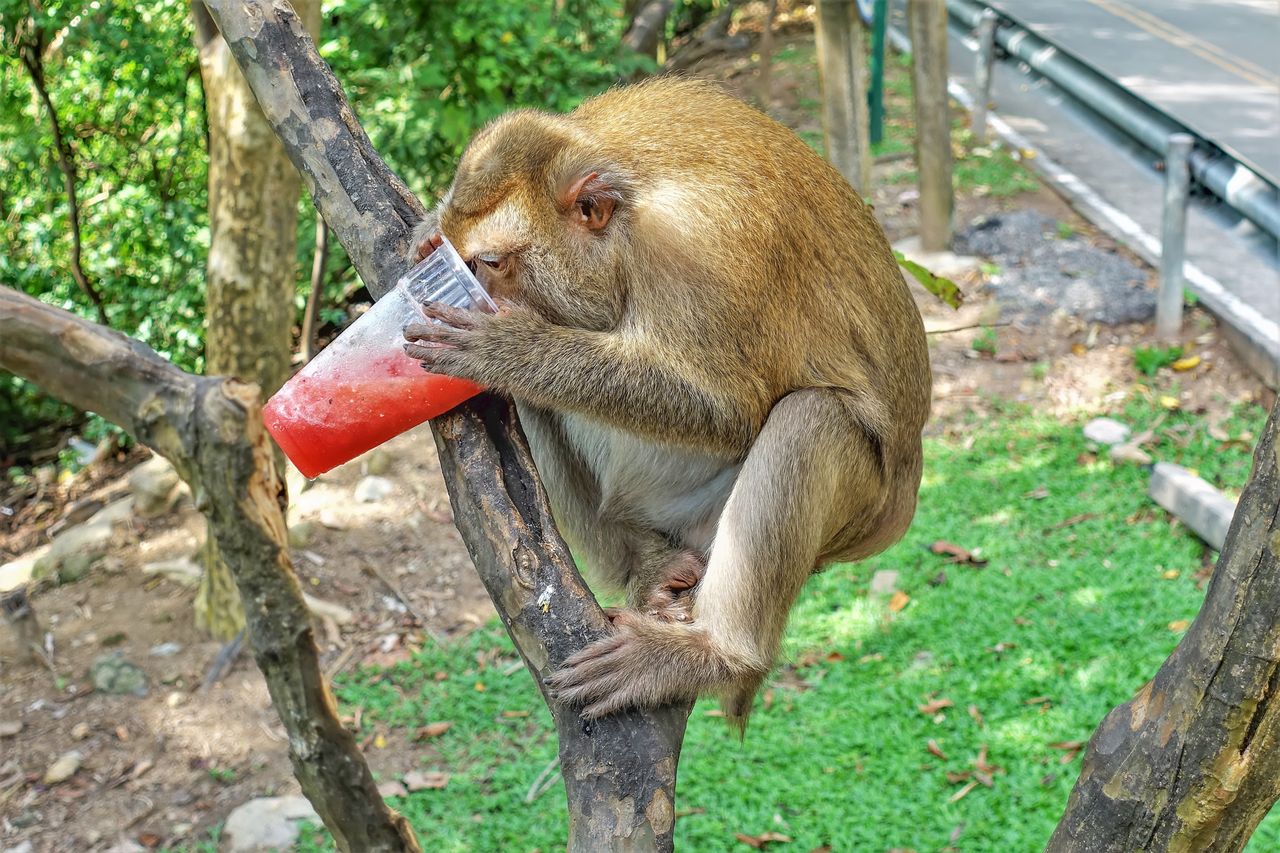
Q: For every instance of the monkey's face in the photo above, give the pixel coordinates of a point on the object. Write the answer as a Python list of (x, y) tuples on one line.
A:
[(541, 220)]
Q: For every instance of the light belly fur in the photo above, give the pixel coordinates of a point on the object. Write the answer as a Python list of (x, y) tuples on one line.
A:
[(680, 493)]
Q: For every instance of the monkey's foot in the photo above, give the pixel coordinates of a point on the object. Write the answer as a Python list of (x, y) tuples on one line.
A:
[(671, 596), (647, 662)]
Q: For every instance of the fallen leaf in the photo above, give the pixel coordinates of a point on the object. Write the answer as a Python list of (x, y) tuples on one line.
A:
[(1072, 521), (767, 698), (1001, 648), (149, 840), (940, 579), (1177, 626), (758, 842), (957, 554), (1191, 362), (934, 706), (898, 601), (826, 848), (871, 658), (977, 716), (480, 688), (984, 766), (955, 778), (834, 657), (935, 750), (1079, 349), (431, 730), (692, 811), (984, 779), (392, 788), (1038, 700), (962, 793), (714, 712), (379, 741), (515, 715), (418, 780), (1039, 493), (1170, 403)]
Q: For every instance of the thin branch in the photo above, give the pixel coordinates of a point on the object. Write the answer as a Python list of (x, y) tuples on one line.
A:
[(33, 61), (967, 328), (310, 316)]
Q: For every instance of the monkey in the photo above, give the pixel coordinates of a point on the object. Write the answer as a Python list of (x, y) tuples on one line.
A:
[(718, 365)]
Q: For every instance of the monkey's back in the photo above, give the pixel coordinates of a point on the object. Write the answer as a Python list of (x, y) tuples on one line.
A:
[(756, 215)]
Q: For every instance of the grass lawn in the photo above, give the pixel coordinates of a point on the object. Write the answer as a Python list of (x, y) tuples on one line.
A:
[(1087, 588)]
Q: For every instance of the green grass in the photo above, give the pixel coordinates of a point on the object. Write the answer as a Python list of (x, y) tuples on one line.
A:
[(1074, 605)]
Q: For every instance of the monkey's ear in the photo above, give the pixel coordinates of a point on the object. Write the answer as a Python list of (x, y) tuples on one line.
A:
[(590, 201)]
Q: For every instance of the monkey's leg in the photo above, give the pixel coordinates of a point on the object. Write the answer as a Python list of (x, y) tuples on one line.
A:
[(812, 476)]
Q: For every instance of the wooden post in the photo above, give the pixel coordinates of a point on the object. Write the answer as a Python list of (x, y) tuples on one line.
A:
[(844, 91), (927, 25)]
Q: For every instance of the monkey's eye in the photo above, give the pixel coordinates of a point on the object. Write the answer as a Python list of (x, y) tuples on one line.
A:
[(497, 263)]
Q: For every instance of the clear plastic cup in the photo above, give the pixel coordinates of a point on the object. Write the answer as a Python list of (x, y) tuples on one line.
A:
[(363, 389)]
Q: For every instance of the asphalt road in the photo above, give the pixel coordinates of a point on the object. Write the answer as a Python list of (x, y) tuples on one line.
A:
[(1213, 64)]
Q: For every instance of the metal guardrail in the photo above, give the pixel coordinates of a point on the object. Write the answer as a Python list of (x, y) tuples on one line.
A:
[(1244, 190)]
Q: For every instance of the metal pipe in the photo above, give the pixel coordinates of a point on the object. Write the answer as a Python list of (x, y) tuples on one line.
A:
[(1173, 236), (1249, 194)]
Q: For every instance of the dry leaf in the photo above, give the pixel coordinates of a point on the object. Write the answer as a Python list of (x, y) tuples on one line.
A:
[(934, 706), (1169, 402), (515, 715), (826, 848), (431, 730), (759, 841), (957, 554), (874, 656), (380, 742), (962, 793), (1068, 745), (1171, 574), (1039, 493), (392, 788), (983, 765), (898, 601), (1073, 520), (834, 657), (977, 716), (1191, 362), (714, 712), (1038, 700), (1177, 626), (1079, 349), (955, 778), (935, 750), (418, 780)]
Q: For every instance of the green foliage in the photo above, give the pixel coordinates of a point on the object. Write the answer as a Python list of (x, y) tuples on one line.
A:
[(1074, 616), (1149, 360), (124, 80), (985, 342), (1065, 231)]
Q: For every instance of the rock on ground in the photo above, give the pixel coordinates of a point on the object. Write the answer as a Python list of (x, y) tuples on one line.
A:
[(1106, 431), (266, 825)]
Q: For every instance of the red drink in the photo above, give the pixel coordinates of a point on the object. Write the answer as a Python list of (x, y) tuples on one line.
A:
[(363, 389), (328, 420)]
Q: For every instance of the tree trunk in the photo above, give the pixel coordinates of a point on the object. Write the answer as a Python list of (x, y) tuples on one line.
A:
[(1192, 762), (251, 276)]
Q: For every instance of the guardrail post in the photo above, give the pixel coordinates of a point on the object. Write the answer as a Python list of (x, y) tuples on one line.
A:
[(844, 91), (982, 73), (1173, 236)]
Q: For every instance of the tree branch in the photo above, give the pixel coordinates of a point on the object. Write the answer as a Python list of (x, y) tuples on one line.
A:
[(210, 428), (619, 771), (1192, 762), (33, 61)]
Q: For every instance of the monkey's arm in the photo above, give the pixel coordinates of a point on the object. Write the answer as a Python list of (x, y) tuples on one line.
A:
[(612, 376)]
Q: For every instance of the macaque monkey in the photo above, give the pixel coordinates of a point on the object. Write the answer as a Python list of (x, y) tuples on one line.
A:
[(719, 367)]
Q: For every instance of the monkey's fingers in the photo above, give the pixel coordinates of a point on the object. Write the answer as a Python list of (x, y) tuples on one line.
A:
[(434, 333), (458, 318), (428, 245), (434, 358)]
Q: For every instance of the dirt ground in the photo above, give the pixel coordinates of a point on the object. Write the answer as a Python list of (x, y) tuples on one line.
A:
[(162, 769)]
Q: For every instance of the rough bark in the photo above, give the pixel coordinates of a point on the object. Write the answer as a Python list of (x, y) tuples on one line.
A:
[(210, 428), (1192, 762), (620, 771), (647, 27), (251, 273), (927, 22)]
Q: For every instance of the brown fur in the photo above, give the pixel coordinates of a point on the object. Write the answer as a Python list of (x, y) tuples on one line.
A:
[(726, 382)]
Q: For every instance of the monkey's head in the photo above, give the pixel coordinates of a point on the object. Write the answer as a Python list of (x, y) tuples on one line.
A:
[(540, 213)]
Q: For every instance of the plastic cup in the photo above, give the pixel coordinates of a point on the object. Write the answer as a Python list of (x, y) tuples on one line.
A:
[(363, 389)]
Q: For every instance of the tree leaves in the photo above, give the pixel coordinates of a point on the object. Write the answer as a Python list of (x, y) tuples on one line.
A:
[(943, 288)]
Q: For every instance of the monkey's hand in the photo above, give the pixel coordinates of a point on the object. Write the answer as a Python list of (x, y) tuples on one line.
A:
[(646, 662), (471, 344)]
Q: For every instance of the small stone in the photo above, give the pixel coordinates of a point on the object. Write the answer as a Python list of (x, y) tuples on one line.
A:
[(92, 538), (165, 650), (378, 462), (74, 567), (373, 489), (126, 846), (300, 534), (111, 673), (1129, 453), (154, 485), (80, 731), (884, 582), (1106, 431), (9, 728), (64, 768), (174, 699), (266, 824)]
